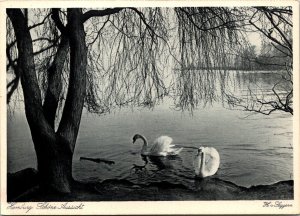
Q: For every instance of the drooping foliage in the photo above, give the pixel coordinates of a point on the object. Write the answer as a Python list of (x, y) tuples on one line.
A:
[(137, 56)]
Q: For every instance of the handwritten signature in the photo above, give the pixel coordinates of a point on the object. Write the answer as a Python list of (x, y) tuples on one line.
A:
[(44, 205), (277, 204)]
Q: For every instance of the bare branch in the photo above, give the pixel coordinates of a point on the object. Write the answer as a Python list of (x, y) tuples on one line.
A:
[(99, 32), (40, 23), (57, 21), (100, 13)]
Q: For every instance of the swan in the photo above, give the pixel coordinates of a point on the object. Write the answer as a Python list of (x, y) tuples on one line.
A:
[(207, 162), (161, 147)]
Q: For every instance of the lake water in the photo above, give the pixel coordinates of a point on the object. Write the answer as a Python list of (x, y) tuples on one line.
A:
[(254, 150)]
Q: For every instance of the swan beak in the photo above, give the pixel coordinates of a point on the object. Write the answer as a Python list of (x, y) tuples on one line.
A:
[(199, 151)]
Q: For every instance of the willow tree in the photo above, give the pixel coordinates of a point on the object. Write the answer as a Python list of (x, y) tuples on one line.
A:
[(101, 59), (275, 26)]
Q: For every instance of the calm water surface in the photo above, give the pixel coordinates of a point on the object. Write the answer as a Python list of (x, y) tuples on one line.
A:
[(254, 150)]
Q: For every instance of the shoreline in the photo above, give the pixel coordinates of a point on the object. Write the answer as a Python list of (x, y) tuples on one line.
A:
[(124, 190)]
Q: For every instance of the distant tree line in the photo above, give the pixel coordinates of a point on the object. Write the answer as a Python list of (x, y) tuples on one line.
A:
[(269, 58)]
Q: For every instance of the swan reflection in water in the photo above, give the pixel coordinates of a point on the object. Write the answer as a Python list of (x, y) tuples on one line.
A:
[(161, 163)]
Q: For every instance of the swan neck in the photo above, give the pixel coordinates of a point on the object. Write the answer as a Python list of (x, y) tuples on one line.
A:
[(144, 140), (144, 148), (202, 164)]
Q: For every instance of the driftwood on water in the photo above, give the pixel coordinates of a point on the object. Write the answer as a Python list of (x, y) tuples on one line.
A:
[(98, 160)]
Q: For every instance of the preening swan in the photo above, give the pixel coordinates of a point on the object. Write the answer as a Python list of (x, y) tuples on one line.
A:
[(161, 147), (207, 162)]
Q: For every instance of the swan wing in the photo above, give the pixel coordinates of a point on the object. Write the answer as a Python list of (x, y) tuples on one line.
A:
[(161, 144), (212, 160)]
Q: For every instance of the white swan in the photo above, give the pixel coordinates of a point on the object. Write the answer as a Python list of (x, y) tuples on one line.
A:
[(207, 162), (161, 146)]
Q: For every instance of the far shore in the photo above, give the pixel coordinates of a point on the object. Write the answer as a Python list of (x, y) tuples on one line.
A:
[(23, 187)]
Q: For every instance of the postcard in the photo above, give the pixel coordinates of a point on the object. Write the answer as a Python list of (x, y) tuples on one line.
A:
[(149, 107)]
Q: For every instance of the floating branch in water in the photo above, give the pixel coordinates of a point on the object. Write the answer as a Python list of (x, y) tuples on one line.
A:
[(98, 160)]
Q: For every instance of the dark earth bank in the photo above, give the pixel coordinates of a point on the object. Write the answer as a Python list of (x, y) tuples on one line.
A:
[(23, 186)]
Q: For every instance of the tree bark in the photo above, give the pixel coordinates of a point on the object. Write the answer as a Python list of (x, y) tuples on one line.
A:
[(54, 163), (70, 120), (54, 150), (55, 81)]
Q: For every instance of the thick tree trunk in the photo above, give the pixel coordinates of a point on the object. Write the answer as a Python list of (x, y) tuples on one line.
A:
[(71, 117), (54, 163), (54, 150), (53, 92)]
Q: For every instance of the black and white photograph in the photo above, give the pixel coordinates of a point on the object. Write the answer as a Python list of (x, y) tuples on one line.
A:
[(118, 103)]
